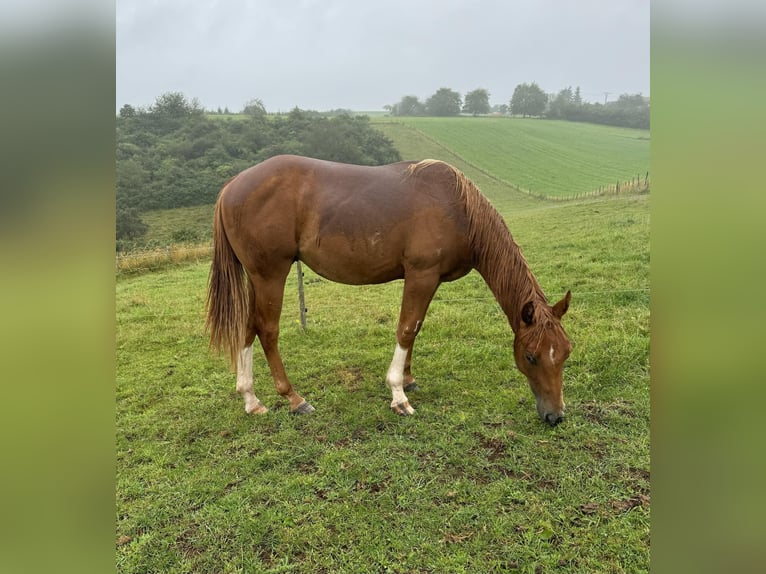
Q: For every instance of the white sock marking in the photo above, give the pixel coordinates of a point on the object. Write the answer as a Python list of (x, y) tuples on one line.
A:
[(245, 379), (395, 376)]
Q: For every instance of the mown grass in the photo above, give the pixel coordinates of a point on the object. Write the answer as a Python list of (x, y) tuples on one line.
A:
[(474, 482), (552, 158)]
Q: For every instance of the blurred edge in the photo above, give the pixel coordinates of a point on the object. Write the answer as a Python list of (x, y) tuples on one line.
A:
[(57, 288), (57, 298), (708, 238)]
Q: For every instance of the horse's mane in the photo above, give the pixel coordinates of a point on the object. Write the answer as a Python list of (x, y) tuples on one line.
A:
[(497, 256)]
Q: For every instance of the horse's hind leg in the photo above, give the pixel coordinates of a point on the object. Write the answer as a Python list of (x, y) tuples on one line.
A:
[(245, 365), (269, 293)]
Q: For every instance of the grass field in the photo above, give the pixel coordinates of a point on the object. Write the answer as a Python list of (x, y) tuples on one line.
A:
[(474, 482), (500, 155), (553, 158)]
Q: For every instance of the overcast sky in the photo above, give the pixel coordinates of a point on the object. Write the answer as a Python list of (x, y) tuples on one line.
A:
[(362, 55)]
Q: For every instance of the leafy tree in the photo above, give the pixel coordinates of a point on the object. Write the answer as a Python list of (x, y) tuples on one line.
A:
[(477, 102), (528, 100), (173, 155), (561, 106), (444, 102), (129, 224), (175, 105), (630, 110), (408, 106), (577, 100), (254, 108)]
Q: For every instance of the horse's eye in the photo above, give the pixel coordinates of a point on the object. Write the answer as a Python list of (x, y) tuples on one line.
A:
[(530, 358)]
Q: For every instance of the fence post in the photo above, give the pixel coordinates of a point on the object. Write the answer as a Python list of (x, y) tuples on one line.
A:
[(301, 299)]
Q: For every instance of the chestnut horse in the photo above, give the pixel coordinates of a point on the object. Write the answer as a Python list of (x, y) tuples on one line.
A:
[(422, 221)]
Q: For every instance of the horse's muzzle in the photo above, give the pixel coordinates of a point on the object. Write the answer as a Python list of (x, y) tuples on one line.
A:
[(554, 418)]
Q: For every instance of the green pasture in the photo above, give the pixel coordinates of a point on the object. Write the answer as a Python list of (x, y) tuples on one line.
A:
[(506, 157), (552, 158), (473, 482)]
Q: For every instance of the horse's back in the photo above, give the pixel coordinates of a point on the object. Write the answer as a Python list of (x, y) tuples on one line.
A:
[(352, 224)]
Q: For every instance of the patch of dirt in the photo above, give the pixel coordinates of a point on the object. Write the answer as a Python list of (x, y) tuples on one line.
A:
[(495, 447), (599, 413), (589, 508), (616, 506), (350, 377), (632, 502), (454, 538)]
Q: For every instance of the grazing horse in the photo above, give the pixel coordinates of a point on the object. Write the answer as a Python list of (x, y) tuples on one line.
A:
[(422, 221)]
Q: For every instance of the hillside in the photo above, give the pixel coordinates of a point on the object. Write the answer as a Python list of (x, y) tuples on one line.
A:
[(547, 157), (498, 154)]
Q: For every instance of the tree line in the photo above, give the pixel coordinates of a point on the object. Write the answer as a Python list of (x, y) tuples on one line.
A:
[(174, 155), (529, 100)]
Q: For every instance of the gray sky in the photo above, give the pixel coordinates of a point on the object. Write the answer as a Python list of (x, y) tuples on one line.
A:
[(362, 55)]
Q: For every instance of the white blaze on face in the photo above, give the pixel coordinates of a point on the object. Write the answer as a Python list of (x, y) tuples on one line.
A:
[(552, 353)]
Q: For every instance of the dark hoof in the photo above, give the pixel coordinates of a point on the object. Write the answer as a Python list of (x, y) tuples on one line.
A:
[(412, 387), (303, 409), (404, 409)]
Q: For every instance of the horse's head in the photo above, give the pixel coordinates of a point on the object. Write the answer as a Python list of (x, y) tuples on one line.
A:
[(540, 348)]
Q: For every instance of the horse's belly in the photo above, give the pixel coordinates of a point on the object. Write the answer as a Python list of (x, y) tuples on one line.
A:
[(352, 262)]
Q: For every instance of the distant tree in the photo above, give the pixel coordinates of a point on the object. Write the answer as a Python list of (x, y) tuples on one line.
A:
[(254, 108), (631, 110), (500, 109), (561, 105), (128, 224), (175, 105), (127, 111), (444, 102), (164, 161), (577, 97), (477, 102), (348, 139), (408, 106), (528, 100)]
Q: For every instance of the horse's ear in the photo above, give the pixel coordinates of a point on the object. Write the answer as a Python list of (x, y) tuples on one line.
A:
[(528, 312), (561, 307)]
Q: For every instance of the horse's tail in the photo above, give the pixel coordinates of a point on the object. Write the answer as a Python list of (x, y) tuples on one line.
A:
[(227, 295)]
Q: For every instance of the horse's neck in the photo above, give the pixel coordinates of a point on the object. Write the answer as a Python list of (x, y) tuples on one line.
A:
[(507, 274)]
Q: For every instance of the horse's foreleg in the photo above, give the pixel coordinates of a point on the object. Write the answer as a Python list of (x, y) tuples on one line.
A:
[(395, 379), (409, 380), (418, 291)]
